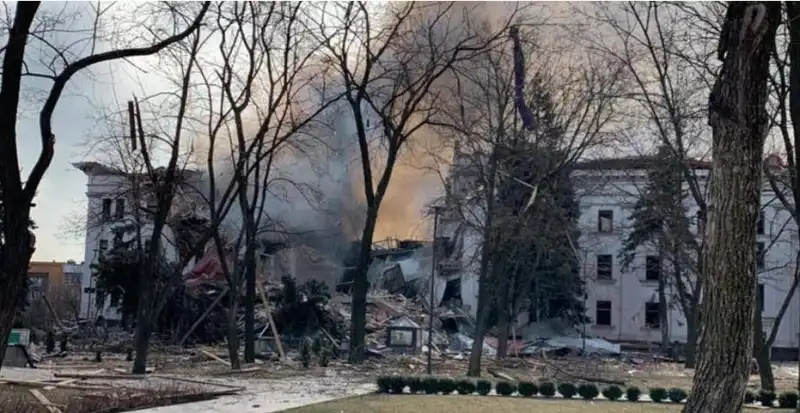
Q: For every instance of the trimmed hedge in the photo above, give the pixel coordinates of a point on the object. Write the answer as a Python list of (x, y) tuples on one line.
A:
[(430, 385), (567, 390), (749, 397), (447, 385), (658, 394), (677, 395), (483, 387), (415, 385), (633, 394), (788, 400), (547, 389), (527, 389), (766, 398), (465, 387), (505, 388), (612, 393), (588, 391)]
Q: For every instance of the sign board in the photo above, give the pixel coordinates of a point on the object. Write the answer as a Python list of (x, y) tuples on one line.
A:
[(19, 337)]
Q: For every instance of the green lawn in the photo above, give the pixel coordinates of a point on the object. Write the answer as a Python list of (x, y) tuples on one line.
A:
[(482, 404), (477, 404)]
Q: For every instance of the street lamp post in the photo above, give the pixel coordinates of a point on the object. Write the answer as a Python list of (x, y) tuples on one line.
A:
[(433, 284)]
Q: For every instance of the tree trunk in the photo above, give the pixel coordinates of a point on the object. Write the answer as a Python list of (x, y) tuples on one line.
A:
[(16, 257), (485, 292), (250, 296), (761, 352), (737, 115), (233, 334), (504, 314), (144, 324), (663, 307), (358, 306), (691, 340)]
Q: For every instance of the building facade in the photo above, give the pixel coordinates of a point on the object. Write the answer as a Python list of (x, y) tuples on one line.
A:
[(112, 204), (623, 304)]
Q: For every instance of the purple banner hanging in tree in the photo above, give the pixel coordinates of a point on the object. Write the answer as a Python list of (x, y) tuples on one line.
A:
[(519, 81)]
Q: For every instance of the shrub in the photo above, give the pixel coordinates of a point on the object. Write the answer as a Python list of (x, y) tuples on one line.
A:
[(632, 394), (567, 390), (415, 385), (767, 398), (505, 388), (749, 397), (430, 385), (658, 394), (612, 393), (384, 384), (483, 387), (465, 387), (447, 385), (527, 389), (677, 395), (547, 389), (588, 391), (397, 384), (788, 400)]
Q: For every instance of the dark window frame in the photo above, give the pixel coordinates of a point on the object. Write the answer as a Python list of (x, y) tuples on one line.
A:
[(761, 223), (761, 255), (652, 271), (652, 309), (106, 210), (604, 215), (605, 271), (603, 307)]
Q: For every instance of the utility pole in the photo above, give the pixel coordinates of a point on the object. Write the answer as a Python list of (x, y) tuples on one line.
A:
[(433, 284)]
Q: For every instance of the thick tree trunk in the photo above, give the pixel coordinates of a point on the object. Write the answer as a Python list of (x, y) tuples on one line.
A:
[(144, 323), (761, 353), (13, 273), (358, 306), (737, 114), (504, 314)]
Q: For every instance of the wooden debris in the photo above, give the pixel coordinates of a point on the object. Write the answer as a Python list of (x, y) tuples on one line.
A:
[(99, 376), (242, 371), (194, 381), (70, 381), (42, 384), (214, 356), (44, 401)]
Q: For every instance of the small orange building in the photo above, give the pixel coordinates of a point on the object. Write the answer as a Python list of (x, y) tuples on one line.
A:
[(44, 277)]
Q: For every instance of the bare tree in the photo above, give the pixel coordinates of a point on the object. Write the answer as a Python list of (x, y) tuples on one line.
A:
[(388, 63), (661, 47), (738, 117), (573, 114), (260, 112), (18, 193)]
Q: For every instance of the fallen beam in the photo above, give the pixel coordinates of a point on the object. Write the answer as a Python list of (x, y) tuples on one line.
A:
[(99, 376), (44, 401)]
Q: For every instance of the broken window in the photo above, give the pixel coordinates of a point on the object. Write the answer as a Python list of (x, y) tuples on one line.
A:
[(605, 221), (605, 267), (117, 239), (652, 315), (761, 296), (760, 223), (102, 246), (653, 268), (106, 215), (760, 255), (603, 316)]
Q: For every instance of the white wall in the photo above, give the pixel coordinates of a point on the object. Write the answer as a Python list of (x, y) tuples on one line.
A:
[(629, 291), (103, 185)]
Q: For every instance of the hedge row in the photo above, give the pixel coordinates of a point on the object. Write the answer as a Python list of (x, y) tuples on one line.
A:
[(586, 391)]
